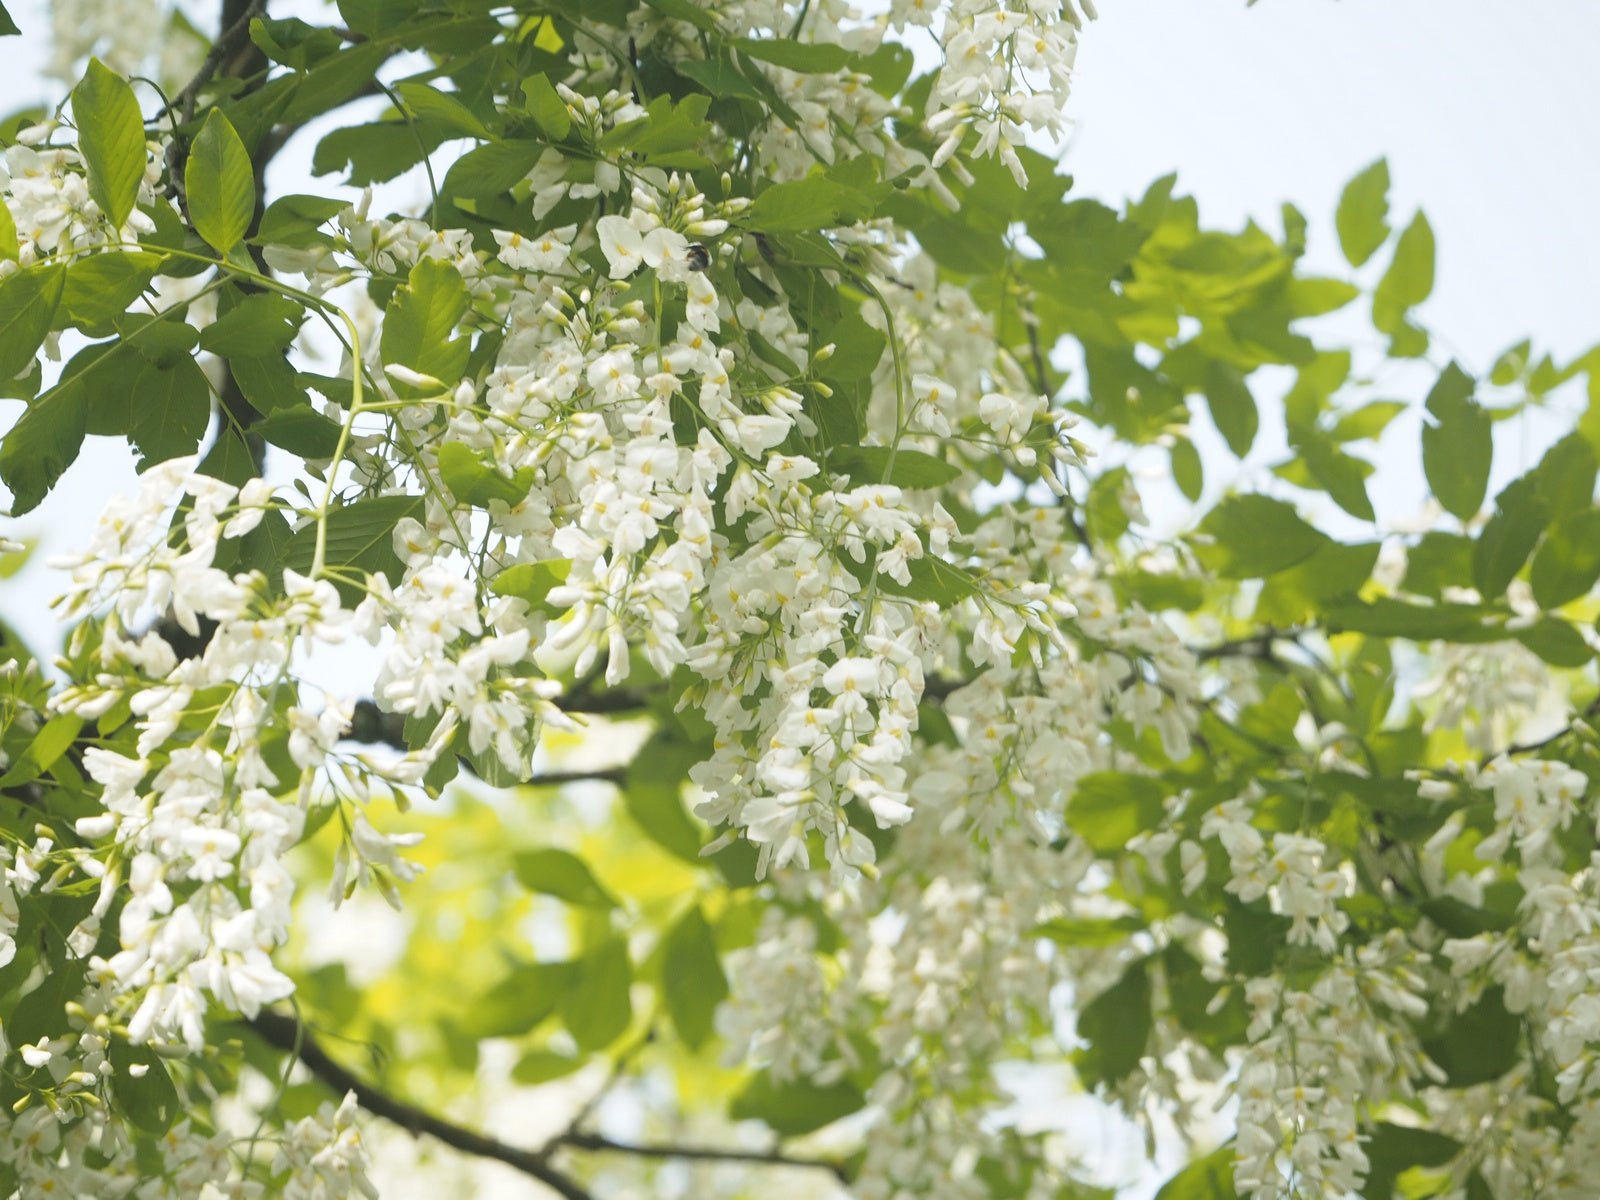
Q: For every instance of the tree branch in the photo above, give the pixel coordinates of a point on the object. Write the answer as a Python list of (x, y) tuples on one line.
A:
[(765, 1158), (286, 1033), (235, 32)]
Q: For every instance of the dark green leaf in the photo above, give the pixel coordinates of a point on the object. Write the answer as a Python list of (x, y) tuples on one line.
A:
[(360, 536), (561, 874), (692, 980), (257, 325), (1480, 1044), (797, 56), (1458, 450), (1567, 562), (598, 1009), (1117, 1025), (1557, 642), (149, 1100), (909, 469), (1508, 537), (28, 302)]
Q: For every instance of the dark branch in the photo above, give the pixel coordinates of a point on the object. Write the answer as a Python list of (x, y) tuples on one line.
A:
[(1580, 722), (768, 1158), (286, 1033), (235, 33)]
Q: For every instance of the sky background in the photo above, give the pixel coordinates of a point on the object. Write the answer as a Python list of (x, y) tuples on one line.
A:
[(1489, 114)]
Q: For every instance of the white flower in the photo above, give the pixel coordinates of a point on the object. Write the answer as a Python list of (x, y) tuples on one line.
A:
[(622, 244)]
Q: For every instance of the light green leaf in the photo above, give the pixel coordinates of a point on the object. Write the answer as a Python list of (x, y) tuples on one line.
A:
[(257, 325), (49, 744), (1108, 808), (559, 873), (1362, 218), (532, 581), (111, 136), (815, 202), (1254, 536), (421, 316), (547, 107), (473, 481), (797, 1106), (692, 980), (10, 247), (1208, 1178), (102, 286), (1520, 516), (1409, 279), (219, 184)]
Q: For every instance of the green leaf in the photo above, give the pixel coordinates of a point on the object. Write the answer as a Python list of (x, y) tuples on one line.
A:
[(1208, 1178), (1233, 408), (806, 57), (148, 1099), (28, 302), (8, 27), (910, 468), (1520, 515), (1458, 450), (547, 108), (598, 1008), (932, 579), (300, 430), (564, 875), (1568, 560), (421, 316), (1108, 808), (1565, 476), (1341, 475), (652, 792), (429, 103), (692, 980), (10, 247), (297, 220), (686, 10), (219, 183), (256, 326), (168, 409), (360, 536), (1557, 642), (521, 1000), (532, 581), (111, 136), (1409, 279), (719, 76), (1255, 536), (102, 286), (1117, 1025), (813, 203), (541, 1066), (473, 481), (1187, 472), (1362, 218), (1387, 617), (1480, 1044), (49, 744), (796, 1107)]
